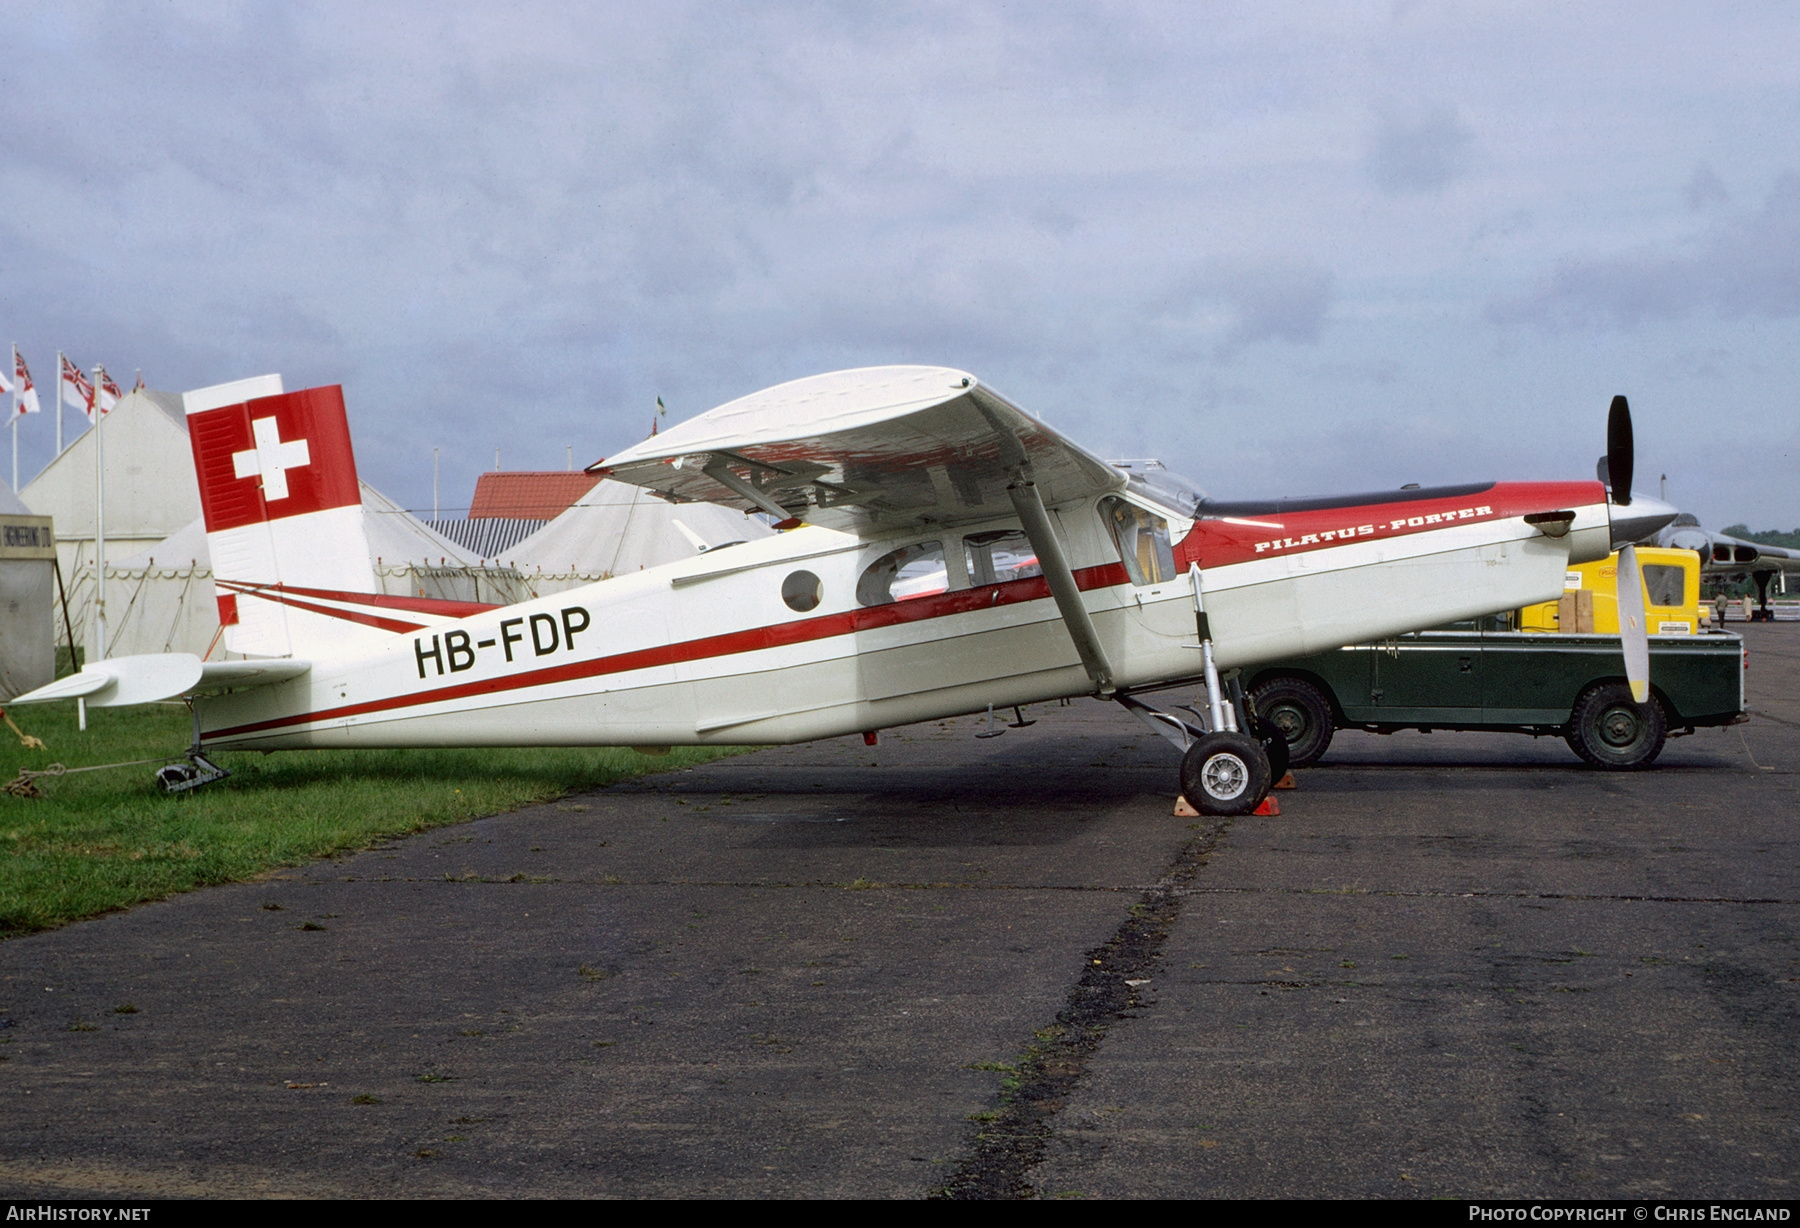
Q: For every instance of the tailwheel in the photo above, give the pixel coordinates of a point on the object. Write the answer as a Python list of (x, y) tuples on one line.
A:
[(1225, 773), (197, 771)]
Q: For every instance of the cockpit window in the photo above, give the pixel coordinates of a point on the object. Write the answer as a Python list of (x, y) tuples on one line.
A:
[(998, 556), (912, 571), (1142, 539)]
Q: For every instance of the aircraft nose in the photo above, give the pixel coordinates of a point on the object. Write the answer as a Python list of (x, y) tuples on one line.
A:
[(1638, 519)]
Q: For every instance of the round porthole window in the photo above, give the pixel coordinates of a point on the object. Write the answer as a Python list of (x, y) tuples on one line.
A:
[(802, 591)]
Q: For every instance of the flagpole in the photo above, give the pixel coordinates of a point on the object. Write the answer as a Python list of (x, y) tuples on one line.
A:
[(99, 520), (15, 415), (59, 370)]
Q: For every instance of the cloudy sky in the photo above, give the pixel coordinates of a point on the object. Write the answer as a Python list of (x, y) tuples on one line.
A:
[(1288, 248)]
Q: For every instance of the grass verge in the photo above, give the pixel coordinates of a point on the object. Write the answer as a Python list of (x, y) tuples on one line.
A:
[(99, 841)]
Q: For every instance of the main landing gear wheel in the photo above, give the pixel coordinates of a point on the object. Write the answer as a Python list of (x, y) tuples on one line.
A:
[(1609, 730), (1225, 773), (1301, 713)]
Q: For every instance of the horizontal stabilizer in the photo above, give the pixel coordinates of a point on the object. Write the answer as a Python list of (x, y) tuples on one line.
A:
[(75, 686), (240, 675), (121, 681)]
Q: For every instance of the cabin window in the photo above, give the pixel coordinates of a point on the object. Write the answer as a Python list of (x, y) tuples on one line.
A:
[(1663, 584), (802, 591), (900, 575), (999, 556), (1142, 539)]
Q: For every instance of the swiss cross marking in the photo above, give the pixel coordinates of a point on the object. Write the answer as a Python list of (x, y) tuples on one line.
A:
[(270, 459)]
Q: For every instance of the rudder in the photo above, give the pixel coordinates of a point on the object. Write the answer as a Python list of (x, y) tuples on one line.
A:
[(283, 510)]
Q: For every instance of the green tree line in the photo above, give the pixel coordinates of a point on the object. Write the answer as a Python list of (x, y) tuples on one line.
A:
[(1767, 537)]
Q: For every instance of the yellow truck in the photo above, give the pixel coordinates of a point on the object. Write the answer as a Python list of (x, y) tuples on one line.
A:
[(1590, 605)]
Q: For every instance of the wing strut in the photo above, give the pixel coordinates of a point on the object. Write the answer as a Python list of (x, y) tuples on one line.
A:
[(1042, 536), (717, 471)]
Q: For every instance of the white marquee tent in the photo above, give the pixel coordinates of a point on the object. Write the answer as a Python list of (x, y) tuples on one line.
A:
[(150, 487), (618, 528)]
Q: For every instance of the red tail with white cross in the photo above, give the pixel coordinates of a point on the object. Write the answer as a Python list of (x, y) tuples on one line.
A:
[(284, 515)]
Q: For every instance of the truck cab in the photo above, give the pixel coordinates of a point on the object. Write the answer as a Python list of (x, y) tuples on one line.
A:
[(1590, 603)]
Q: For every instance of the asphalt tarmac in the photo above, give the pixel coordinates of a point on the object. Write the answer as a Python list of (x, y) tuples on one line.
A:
[(1455, 966)]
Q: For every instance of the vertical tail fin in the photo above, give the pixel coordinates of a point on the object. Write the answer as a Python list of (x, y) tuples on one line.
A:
[(283, 511)]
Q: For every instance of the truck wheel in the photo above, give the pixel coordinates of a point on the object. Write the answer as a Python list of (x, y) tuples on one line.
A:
[(1608, 730), (1225, 773), (1301, 713)]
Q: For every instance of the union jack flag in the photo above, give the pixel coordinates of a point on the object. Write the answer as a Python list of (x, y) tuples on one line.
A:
[(109, 393), (26, 399), (77, 390)]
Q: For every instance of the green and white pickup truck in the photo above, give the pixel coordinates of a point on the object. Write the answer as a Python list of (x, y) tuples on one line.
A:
[(1486, 675)]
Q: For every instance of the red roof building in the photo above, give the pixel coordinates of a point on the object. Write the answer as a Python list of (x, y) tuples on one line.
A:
[(527, 495)]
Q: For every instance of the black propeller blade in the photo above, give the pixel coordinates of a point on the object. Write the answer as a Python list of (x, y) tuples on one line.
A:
[(1628, 582), (1619, 457)]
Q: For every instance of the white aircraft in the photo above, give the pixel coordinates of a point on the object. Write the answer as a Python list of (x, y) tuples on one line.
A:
[(1731, 556), (947, 554)]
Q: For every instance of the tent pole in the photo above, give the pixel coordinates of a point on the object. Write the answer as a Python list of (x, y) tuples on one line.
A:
[(68, 627)]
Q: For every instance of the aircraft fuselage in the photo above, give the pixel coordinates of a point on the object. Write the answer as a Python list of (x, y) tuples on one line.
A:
[(816, 633)]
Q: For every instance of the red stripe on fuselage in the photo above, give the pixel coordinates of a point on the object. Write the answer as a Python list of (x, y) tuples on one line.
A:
[(779, 635), (379, 601), (351, 616), (1220, 543)]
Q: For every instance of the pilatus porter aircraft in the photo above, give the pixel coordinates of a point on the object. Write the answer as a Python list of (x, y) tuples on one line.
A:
[(946, 553)]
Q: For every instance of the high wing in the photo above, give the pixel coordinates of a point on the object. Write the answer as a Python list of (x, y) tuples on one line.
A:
[(887, 448), (863, 451)]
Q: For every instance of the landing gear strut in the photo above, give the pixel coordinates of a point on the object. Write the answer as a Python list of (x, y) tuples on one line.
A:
[(197, 771), (1229, 756), (1223, 771)]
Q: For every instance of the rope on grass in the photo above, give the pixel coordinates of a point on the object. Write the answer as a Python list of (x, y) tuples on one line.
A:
[(25, 784)]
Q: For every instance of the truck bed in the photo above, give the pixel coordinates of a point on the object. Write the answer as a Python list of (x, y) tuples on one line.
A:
[(1521, 681)]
